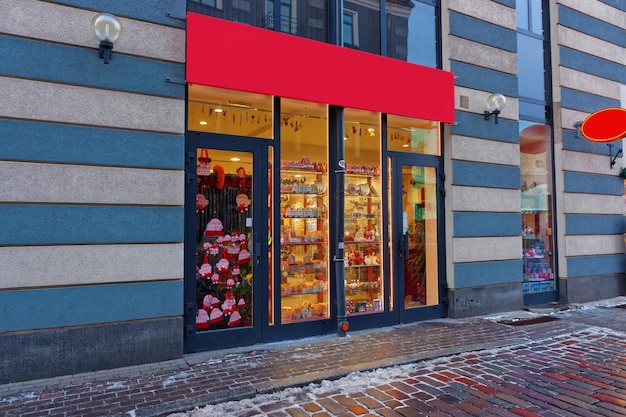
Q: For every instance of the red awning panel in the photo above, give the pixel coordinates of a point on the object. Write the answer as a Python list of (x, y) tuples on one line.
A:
[(232, 55)]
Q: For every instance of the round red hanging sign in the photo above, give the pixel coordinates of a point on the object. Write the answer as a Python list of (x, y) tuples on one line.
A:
[(606, 125)]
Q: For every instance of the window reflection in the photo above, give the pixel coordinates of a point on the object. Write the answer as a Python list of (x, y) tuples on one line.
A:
[(359, 14), (531, 73), (407, 134), (412, 32)]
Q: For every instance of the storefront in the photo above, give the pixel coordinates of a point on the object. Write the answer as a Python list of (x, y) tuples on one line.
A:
[(313, 194)]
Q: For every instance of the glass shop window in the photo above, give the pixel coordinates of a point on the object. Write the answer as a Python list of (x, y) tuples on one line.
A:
[(229, 112), (407, 134), (363, 266), (304, 219), (412, 31)]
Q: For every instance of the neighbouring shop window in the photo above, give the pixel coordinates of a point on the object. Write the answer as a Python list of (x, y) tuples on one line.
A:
[(304, 220), (224, 239), (537, 238), (363, 267), (361, 25), (229, 112), (412, 31), (407, 134)]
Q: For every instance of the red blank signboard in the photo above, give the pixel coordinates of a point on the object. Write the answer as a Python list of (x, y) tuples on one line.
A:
[(235, 56)]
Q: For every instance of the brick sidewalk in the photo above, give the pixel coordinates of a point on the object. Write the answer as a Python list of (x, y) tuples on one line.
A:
[(217, 376)]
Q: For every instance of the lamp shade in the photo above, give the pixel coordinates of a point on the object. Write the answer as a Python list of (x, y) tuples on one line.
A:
[(495, 101), (106, 27)]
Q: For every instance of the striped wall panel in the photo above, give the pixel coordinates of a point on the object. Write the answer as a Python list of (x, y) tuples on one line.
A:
[(587, 224), (77, 265), (36, 141), (480, 249), (68, 25), (604, 10), (576, 142), (76, 306), (472, 124), (577, 182), (488, 151), (590, 45), (61, 224), (580, 100), (498, 13), (591, 26), (464, 50), (592, 204), (479, 31), (481, 78), (486, 199), (577, 80), (584, 62), (477, 274), (485, 175), (583, 266), (585, 245), (22, 58), (486, 224)]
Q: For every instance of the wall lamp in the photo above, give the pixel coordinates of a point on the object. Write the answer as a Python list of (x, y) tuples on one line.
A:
[(107, 29), (494, 104)]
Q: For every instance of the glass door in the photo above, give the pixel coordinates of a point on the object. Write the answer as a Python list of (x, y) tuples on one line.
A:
[(225, 273), (415, 227)]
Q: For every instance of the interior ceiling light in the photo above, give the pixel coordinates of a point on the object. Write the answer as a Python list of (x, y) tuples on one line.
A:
[(203, 122), (218, 110), (235, 159)]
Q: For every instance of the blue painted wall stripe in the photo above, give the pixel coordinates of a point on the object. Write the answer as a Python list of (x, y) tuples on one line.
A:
[(94, 304), (583, 266), (592, 65), (49, 142), (510, 3), (478, 274), (483, 32), (473, 125), (578, 182), (589, 224), (23, 58), (591, 26), (485, 175), (469, 224), (480, 78), (155, 11), (618, 4), (573, 143), (60, 224), (586, 102)]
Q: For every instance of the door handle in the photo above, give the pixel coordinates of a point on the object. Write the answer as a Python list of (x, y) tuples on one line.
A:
[(257, 250)]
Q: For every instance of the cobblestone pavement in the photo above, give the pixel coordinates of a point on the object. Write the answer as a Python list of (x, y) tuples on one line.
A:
[(580, 374), (218, 377)]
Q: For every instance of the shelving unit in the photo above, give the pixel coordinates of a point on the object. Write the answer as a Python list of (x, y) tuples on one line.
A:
[(537, 270), (304, 242)]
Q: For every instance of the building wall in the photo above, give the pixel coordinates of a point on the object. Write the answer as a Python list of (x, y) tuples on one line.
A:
[(91, 205), (483, 223), (589, 41)]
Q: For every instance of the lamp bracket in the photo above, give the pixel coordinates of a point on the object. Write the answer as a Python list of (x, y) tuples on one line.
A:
[(493, 113), (183, 18), (175, 81), (612, 158), (105, 51)]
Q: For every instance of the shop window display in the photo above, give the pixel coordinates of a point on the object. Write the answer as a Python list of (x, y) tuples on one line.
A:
[(362, 223), (304, 287), (223, 263)]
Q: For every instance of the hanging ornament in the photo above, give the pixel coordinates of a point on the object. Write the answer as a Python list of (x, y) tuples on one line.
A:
[(204, 164), (201, 203), (242, 200)]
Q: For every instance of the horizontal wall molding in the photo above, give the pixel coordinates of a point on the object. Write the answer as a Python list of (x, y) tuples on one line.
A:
[(584, 224), (479, 249), (480, 31), (583, 266), (483, 79), (594, 245), (58, 183), (167, 12), (22, 58), (479, 274), (588, 24), (24, 99), (60, 224), (77, 306), (474, 224), (584, 62), (590, 45), (586, 102), (48, 266), (599, 9), (487, 151), (593, 204), (53, 22), (588, 83), (485, 175), (478, 54), (486, 10), (486, 199), (577, 182), (50, 142)]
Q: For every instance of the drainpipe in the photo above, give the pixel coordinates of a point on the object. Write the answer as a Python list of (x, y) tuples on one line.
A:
[(339, 171)]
